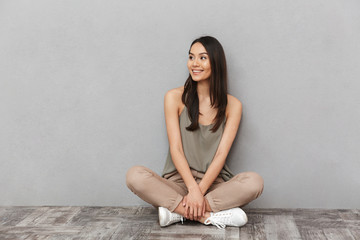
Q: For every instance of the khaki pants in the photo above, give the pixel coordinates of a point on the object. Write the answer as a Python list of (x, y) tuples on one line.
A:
[(168, 191)]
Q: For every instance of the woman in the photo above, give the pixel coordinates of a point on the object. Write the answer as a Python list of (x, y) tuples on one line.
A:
[(201, 121)]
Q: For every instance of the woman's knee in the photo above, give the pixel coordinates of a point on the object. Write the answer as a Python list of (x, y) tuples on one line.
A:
[(253, 181), (135, 177), (257, 183)]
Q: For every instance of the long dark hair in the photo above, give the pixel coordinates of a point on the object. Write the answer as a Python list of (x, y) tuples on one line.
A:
[(218, 85)]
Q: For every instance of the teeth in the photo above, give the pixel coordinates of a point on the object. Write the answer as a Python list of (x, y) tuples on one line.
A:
[(197, 71)]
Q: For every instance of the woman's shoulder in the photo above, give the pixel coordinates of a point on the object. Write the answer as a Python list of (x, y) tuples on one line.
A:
[(175, 94), (233, 101), (234, 105), (173, 98), (175, 91)]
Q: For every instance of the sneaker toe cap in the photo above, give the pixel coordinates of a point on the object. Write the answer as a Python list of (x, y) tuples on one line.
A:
[(240, 218)]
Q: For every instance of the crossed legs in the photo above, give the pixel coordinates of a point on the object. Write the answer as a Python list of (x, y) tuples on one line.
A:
[(169, 192)]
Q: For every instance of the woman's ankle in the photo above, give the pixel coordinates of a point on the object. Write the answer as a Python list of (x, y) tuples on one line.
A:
[(180, 209), (207, 206), (203, 219)]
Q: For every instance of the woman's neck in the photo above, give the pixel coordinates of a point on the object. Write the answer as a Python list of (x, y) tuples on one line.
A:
[(203, 89)]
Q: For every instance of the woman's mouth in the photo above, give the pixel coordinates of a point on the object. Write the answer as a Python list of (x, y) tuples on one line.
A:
[(196, 71)]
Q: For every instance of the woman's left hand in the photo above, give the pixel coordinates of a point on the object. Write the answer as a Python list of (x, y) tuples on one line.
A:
[(194, 206)]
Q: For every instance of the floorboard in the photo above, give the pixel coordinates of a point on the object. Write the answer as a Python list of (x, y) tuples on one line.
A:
[(95, 223)]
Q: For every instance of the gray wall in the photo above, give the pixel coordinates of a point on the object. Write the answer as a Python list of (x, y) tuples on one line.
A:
[(82, 86)]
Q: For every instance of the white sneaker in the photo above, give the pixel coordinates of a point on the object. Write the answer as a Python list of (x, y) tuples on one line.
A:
[(167, 218), (234, 217)]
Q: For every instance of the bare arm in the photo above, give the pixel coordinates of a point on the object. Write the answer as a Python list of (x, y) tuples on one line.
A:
[(234, 110), (174, 136), (195, 202)]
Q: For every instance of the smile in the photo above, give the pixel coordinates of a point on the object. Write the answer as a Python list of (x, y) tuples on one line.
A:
[(196, 71)]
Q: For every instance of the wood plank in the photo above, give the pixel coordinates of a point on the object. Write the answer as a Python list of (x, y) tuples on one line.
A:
[(309, 233), (232, 233), (132, 230), (35, 232), (349, 214), (98, 230), (336, 234), (34, 217), (318, 218), (281, 227), (254, 229), (11, 216), (355, 233)]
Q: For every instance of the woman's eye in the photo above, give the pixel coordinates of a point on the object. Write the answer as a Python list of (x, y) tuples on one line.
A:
[(191, 57), (203, 58)]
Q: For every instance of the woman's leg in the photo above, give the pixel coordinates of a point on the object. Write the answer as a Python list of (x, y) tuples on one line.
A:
[(152, 188), (238, 191)]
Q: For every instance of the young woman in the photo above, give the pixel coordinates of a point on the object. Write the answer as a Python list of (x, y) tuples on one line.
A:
[(201, 121)]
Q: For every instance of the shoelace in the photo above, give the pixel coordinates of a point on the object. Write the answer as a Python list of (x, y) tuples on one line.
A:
[(175, 217), (219, 220)]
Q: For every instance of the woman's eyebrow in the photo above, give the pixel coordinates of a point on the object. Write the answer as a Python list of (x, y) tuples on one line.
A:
[(199, 53)]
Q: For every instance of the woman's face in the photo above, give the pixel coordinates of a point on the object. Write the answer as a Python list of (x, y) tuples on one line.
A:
[(199, 63)]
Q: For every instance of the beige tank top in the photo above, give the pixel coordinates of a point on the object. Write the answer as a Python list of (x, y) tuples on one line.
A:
[(199, 147)]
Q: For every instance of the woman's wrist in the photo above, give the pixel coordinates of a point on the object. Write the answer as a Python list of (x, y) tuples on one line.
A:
[(194, 187), (202, 189)]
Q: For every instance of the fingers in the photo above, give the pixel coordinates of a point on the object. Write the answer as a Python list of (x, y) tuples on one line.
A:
[(199, 213), (196, 213), (193, 210), (191, 214), (184, 201), (203, 211), (186, 214), (196, 210), (184, 205)]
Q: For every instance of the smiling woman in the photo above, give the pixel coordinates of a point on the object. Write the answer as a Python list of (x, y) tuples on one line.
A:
[(202, 120), (212, 90), (199, 63)]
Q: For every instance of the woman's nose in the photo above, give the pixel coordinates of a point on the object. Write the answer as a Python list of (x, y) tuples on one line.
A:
[(195, 62)]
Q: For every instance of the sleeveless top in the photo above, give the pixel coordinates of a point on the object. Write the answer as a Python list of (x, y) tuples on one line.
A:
[(199, 147)]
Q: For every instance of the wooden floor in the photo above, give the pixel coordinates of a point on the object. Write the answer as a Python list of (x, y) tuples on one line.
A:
[(142, 223)]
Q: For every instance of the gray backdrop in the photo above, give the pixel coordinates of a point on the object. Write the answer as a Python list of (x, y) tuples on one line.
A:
[(82, 85)]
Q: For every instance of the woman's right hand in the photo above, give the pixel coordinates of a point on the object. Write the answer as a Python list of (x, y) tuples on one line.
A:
[(194, 204)]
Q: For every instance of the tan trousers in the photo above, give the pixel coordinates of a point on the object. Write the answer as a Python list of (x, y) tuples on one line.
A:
[(169, 191)]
